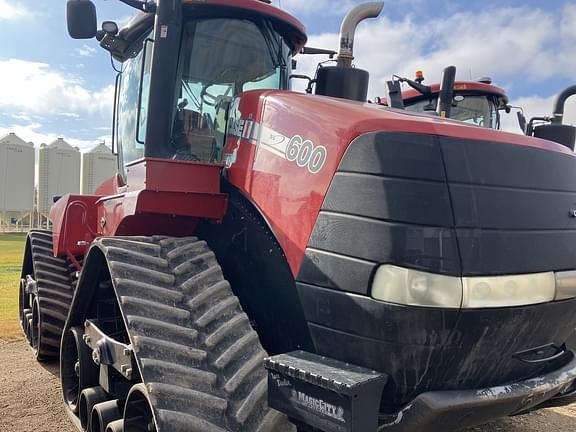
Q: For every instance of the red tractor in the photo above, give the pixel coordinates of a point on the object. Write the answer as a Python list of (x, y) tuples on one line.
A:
[(475, 102), (266, 260)]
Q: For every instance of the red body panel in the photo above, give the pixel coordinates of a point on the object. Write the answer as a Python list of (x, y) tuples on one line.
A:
[(169, 197), (160, 197), (290, 196), (260, 7), (74, 224)]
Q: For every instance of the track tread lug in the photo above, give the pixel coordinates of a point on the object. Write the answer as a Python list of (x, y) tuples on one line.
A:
[(180, 422), (199, 358), (55, 289)]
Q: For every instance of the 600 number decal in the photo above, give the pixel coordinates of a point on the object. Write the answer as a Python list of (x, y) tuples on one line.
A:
[(306, 154)]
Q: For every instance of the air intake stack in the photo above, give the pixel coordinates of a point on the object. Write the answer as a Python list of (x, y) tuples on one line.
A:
[(343, 80)]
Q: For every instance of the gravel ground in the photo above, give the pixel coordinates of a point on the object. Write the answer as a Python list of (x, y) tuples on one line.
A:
[(30, 400)]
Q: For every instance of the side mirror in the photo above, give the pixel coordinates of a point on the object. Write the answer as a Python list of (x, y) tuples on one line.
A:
[(521, 121), (81, 19)]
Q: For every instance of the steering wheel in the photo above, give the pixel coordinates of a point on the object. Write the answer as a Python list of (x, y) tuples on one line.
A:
[(208, 98)]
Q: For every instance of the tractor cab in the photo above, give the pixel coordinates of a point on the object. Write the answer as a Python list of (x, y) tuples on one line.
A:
[(474, 102), (223, 49), (251, 55)]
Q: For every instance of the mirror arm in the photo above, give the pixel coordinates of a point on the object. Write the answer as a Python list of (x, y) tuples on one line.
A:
[(310, 81)]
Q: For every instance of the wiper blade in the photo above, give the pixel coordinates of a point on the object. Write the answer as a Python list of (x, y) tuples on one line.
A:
[(275, 54)]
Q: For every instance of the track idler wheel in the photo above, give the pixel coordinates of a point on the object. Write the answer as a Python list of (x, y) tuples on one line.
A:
[(103, 414), (23, 305), (35, 340), (25, 320), (138, 415), (88, 398), (116, 426), (78, 370)]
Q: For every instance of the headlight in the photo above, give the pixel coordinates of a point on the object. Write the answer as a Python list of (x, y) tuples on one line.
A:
[(412, 287)]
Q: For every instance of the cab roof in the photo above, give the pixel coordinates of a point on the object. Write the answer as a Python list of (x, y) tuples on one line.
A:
[(459, 86), (290, 27)]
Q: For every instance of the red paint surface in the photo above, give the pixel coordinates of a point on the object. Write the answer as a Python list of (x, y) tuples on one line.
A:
[(160, 197), (74, 224), (290, 197), (257, 6), (169, 197)]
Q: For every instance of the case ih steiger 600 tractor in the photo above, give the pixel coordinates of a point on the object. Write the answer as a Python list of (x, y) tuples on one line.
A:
[(268, 260)]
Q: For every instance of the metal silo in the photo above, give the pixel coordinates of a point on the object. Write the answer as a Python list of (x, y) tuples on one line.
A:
[(16, 181), (98, 164), (58, 174)]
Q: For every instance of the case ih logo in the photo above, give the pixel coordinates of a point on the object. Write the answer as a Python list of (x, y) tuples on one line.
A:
[(296, 149), (318, 405)]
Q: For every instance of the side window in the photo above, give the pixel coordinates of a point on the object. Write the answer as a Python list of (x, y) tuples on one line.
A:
[(130, 136)]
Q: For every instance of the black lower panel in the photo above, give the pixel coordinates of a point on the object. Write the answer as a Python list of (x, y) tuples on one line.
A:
[(424, 247), (332, 270), (425, 349)]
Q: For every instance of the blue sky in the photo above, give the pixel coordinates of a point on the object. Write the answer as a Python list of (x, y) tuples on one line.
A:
[(52, 86)]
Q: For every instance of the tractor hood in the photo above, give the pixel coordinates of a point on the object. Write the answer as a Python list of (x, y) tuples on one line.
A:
[(348, 187), (448, 199), (480, 201)]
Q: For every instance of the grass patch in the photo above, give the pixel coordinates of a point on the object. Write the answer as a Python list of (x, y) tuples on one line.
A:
[(11, 252)]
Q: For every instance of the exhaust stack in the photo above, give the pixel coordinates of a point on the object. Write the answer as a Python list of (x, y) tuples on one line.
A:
[(343, 81), (559, 104), (348, 29)]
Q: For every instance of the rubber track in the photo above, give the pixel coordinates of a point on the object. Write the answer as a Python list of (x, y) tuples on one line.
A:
[(198, 356), (56, 284)]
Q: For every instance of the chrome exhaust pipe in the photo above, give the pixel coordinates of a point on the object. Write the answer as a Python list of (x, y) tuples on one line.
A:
[(88, 398), (115, 426), (103, 414), (348, 29), (559, 104)]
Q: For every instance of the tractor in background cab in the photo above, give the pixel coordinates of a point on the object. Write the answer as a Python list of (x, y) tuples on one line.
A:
[(477, 103)]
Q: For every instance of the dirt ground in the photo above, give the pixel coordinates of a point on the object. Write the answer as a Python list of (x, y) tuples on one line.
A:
[(30, 400)]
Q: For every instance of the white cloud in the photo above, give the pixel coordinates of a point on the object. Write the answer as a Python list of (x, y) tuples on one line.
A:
[(508, 44), (69, 115), (306, 7), (21, 116), (10, 10), (33, 133), (37, 88), (86, 51)]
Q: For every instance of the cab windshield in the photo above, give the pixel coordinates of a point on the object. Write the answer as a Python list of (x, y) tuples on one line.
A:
[(221, 58), (479, 110)]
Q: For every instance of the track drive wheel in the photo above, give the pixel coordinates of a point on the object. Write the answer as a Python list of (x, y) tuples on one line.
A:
[(138, 414)]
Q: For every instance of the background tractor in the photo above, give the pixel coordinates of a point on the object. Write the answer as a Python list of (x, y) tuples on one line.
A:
[(475, 102)]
